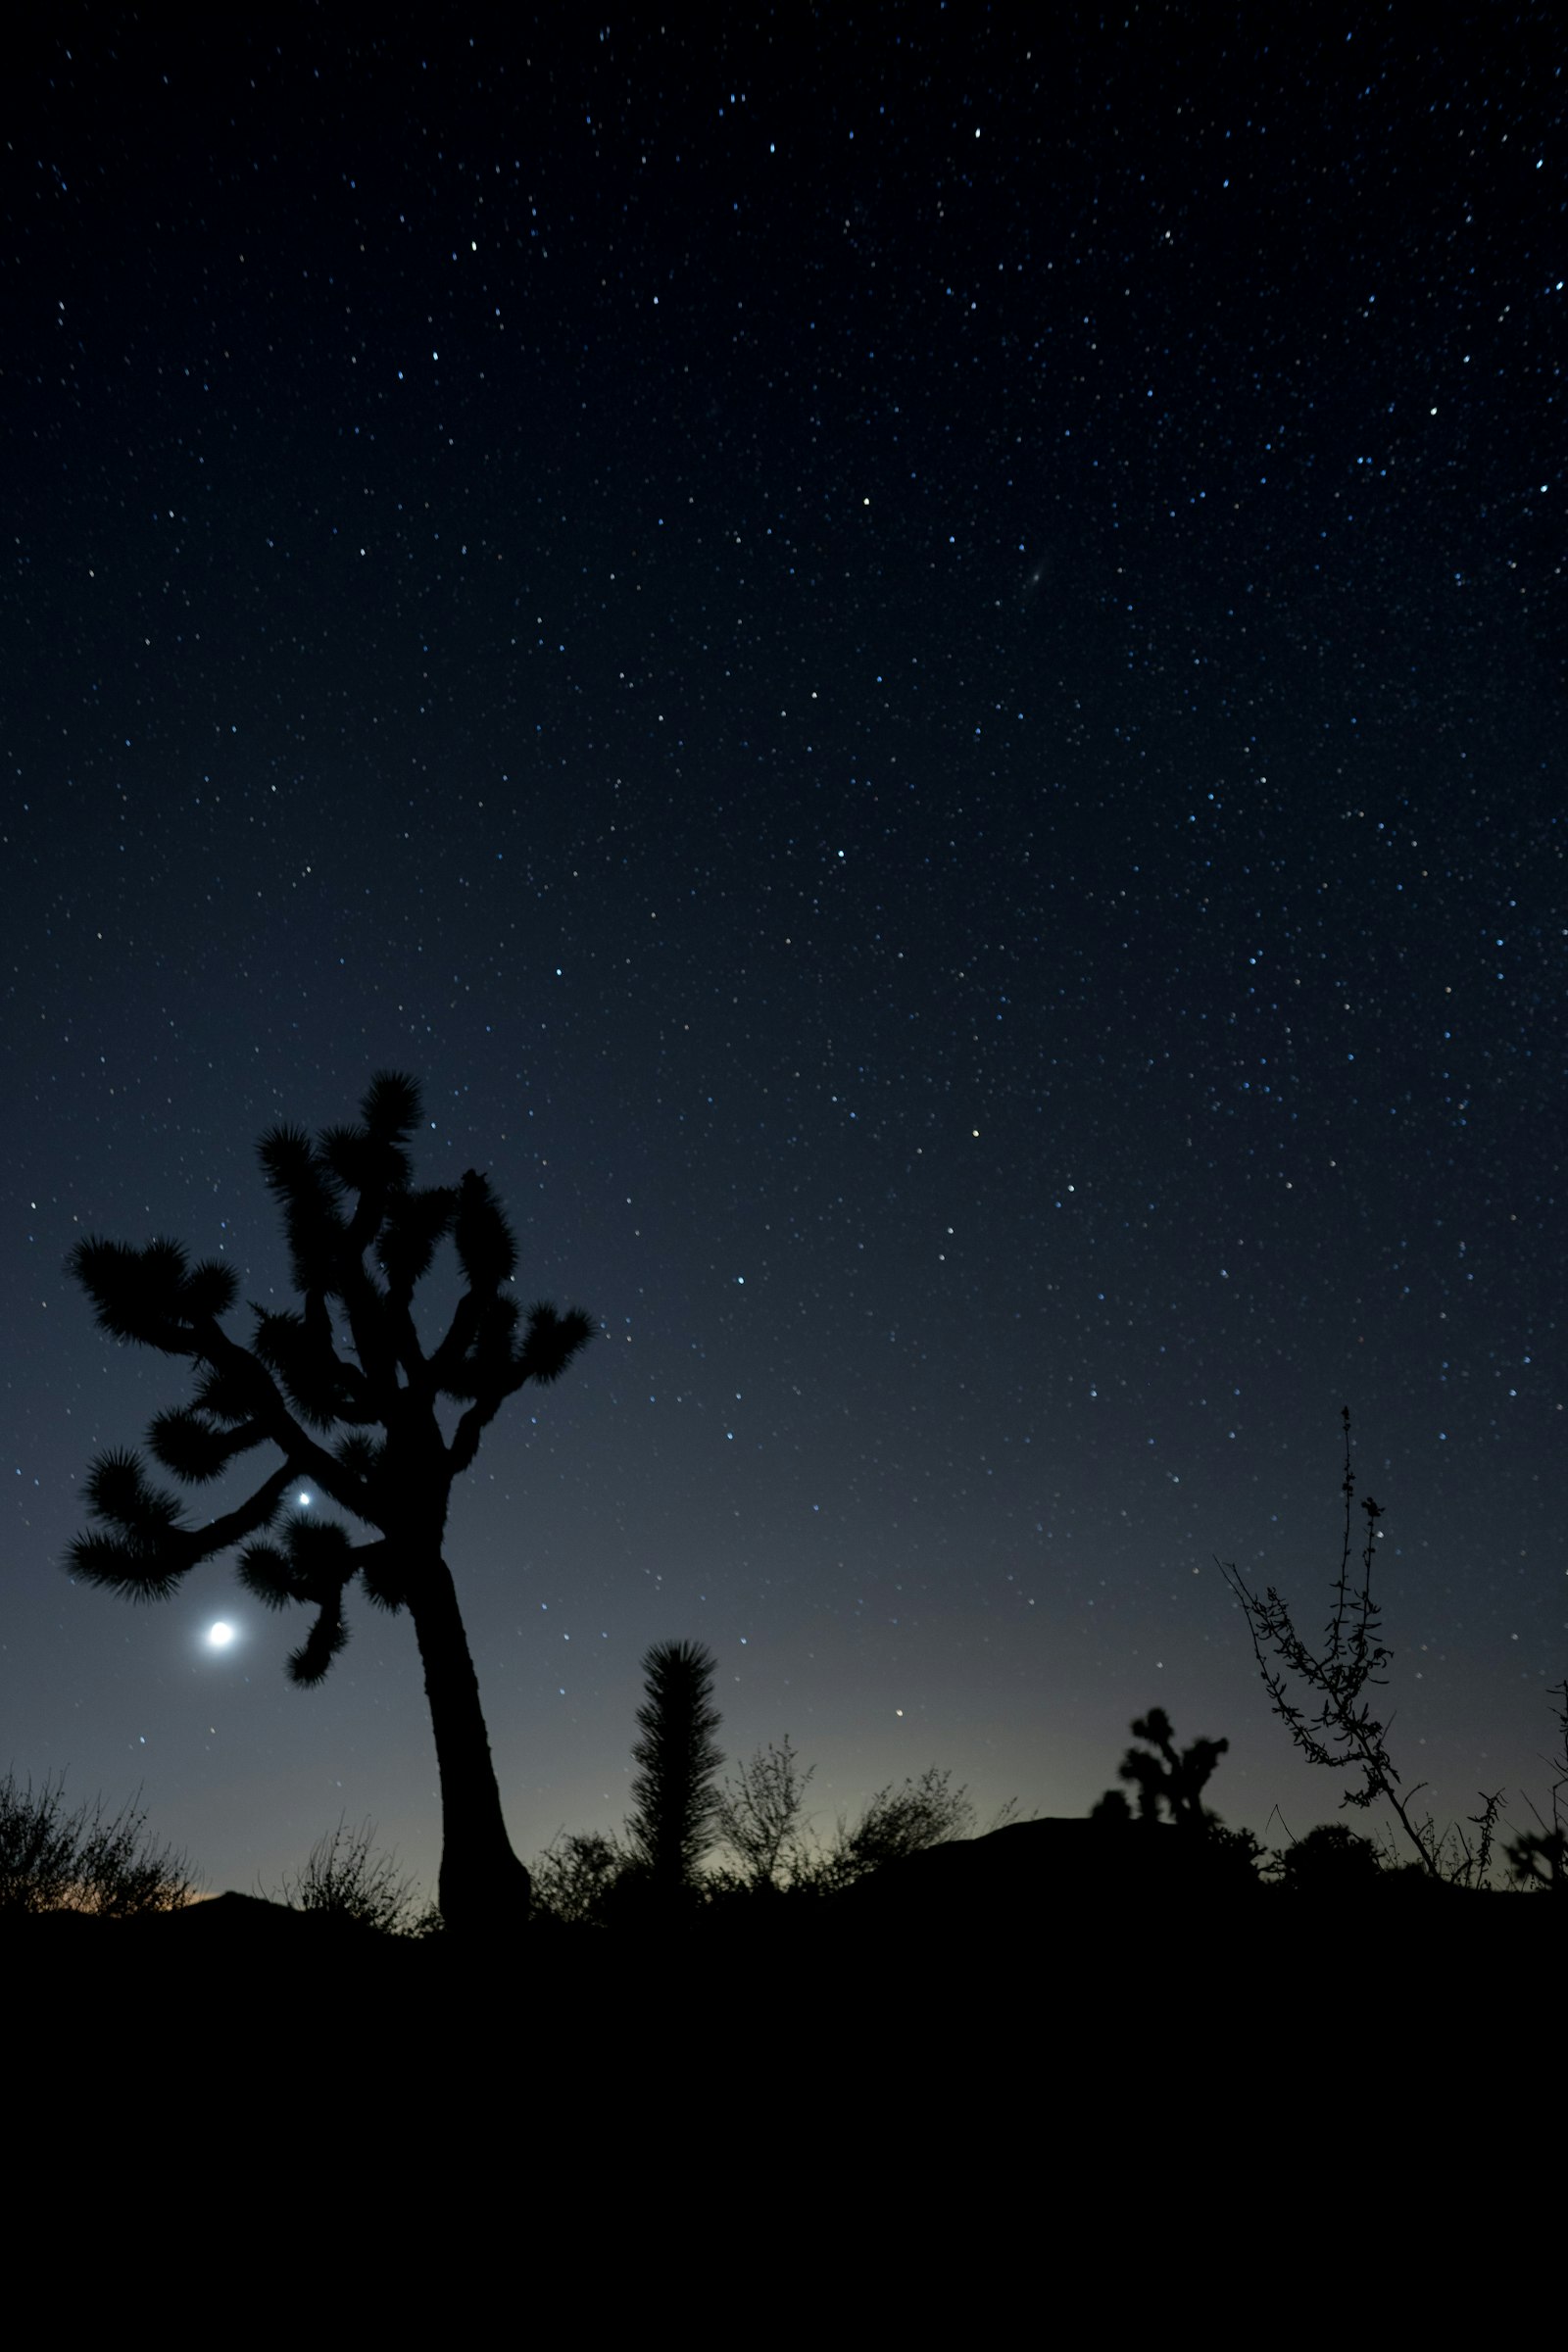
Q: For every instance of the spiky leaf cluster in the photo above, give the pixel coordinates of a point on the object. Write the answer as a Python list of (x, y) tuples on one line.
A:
[(153, 1296), (314, 1565), (191, 1440), (142, 1547)]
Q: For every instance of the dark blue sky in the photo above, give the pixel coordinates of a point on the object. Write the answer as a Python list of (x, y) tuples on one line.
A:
[(917, 667)]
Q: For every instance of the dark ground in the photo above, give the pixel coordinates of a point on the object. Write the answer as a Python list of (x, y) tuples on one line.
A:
[(1175, 2114)]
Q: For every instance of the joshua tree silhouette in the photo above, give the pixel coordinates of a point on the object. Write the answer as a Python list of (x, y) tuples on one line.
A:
[(1167, 1778), (346, 1394)]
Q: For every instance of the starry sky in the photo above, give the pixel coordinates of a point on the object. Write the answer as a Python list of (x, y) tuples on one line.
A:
[(914, 660)]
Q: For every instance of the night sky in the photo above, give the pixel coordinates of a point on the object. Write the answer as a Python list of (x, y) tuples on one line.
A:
[(915, 661)]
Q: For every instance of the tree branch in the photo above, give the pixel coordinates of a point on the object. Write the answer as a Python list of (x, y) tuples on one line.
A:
[(304, 1457)]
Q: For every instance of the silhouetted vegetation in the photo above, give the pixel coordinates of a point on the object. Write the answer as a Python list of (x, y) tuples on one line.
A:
[(576, 1878), (1345, 1734), (1162, 1844), (761, 1816), (678, 1759), (1539, 1857), (1330, 1860), (1170, 1785), (589, 1877), (54, 1859), (346, 1392), (347, 1878), (1162, 1778), (906, 1817)]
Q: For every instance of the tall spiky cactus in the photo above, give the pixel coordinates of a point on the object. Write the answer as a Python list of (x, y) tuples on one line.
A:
[(674, 1799), (346, 1394)]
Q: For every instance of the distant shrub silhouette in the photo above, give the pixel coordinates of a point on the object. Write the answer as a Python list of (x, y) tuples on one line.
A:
[(575, 1877), (1330, 1860), (901, 1819), (55, 1860), (346, 1878), (762, 1820), (761, 1816)]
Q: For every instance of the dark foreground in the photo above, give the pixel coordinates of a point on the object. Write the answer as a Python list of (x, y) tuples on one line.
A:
[(1181, 2096)]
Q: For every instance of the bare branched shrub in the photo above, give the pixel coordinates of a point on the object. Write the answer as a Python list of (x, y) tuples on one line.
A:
[(1345, 1734), (762, 1817), (901, 1819), (52, 1859), (346, 1877)]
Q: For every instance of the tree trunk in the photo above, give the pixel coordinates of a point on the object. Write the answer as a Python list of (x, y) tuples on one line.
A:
[(484, 1886)]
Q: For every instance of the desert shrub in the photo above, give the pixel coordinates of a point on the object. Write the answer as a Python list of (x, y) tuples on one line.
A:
[(901, 1819), (348, 1879), (575, 1876), (1244, 1853), (52, 1859), (1330, 1860), (762, 1819)]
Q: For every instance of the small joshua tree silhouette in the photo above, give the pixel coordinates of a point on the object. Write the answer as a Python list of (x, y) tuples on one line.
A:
[(1167, 1778)]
